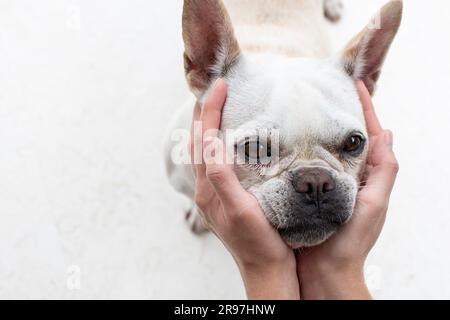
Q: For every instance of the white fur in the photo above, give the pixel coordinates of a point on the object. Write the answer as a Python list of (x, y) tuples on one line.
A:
[(309, 100)]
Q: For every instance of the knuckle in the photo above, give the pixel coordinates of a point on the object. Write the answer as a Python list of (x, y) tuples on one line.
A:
[(395, 167), (215, 175), (200, 202), (244, 215), (391, 163), (375, 204), (392, 167)]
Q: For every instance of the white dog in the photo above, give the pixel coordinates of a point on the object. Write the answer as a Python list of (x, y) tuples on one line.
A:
[(286, 88)]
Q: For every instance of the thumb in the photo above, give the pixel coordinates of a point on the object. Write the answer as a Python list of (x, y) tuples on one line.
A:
[(220, 173)]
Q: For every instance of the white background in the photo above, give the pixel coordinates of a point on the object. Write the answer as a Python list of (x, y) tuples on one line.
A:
[(86, 90)]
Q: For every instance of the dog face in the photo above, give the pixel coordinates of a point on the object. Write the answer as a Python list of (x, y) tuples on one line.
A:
[(298, 128), (301, 143)]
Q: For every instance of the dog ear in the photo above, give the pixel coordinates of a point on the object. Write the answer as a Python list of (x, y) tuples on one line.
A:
[(364, 56), (211, 48)]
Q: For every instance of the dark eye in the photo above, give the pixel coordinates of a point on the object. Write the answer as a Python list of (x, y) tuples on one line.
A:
[(257, 152), (353, 144)]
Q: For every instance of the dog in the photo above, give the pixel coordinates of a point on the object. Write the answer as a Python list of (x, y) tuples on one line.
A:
[(283, 77)]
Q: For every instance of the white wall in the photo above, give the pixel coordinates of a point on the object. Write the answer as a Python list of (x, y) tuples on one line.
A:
[(86, 90)]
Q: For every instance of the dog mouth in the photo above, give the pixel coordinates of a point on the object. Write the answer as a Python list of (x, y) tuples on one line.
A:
[(310, 235), (311, 231), (303, 224), (311, 225)]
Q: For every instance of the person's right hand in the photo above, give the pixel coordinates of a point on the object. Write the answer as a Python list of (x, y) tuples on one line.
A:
[(334, 270)]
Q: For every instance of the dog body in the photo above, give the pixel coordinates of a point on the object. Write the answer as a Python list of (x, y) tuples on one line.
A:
[(294, 28), (283, 80)]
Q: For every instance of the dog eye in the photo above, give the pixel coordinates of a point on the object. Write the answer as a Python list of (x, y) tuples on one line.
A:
[(257, 153), (353, 144)]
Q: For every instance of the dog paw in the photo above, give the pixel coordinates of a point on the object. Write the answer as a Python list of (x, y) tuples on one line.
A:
[(333, 9), (195, 222)]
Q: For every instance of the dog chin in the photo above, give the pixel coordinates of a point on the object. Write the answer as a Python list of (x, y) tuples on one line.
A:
[(297, 239)]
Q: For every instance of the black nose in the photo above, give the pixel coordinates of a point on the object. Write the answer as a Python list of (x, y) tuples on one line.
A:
[(313, 183)]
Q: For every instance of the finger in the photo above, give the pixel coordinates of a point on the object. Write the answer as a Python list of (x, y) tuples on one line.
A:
[(372, 122), (211, 117), (382, 176), (212, 109), (195, 146), (196, 116), (221, 175)]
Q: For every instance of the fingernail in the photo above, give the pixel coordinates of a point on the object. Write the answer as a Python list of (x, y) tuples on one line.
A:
[(389, 139)]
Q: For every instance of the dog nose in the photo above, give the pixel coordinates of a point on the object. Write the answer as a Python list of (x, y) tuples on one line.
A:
[(314, 183)]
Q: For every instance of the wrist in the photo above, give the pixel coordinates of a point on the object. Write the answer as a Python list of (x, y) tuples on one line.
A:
[(334, 282), (271, 281)]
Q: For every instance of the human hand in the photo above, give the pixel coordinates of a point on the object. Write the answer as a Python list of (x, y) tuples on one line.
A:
[(334, 270), (266, 263)]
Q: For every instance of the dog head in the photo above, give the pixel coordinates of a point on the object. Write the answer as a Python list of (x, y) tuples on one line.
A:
[(298, 127)]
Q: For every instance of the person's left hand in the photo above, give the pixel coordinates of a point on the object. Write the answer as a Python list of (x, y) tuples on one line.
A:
[(267, 264)]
